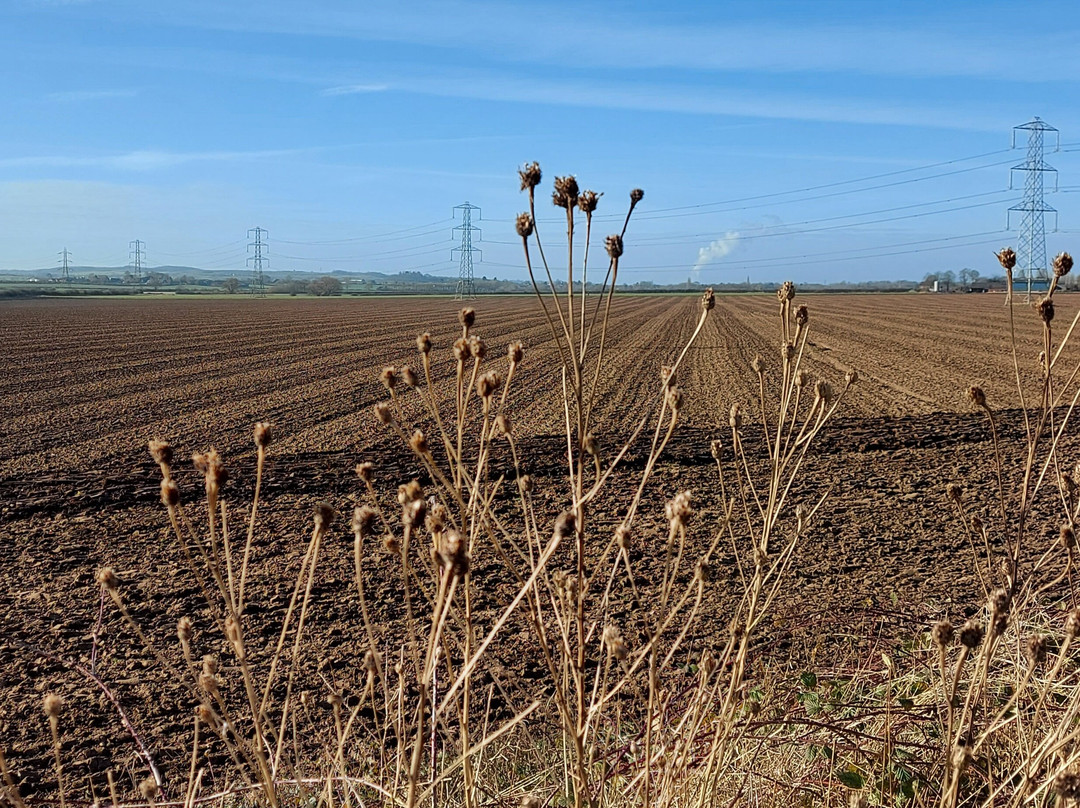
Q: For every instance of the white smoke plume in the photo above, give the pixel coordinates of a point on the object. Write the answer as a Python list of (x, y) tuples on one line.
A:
[(714, 252)]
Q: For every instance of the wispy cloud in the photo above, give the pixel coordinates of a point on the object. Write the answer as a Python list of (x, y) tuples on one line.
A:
[(78, 96), (355, 89), (715, 251), (143, 160)]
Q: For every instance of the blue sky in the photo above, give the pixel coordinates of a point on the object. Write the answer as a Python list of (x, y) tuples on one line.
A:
[(350, 130)]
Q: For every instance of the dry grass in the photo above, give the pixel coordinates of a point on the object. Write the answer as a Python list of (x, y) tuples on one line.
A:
[(618, 709)]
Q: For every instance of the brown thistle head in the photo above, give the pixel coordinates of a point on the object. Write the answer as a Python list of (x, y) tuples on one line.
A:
[(467, 317), (461, 349), (524, 225), (365, 471), (955, 492), (614, 644), (708, 300), (418, 442), (1036, 650), (636, 196), (487, 384), (1007, 258), (477, 347), (502, 424), (757, 364), (388, 377), (1063, 264), (735, 417), (324, 514), (170, 493), (1045, 307), (786, 292), (408, 375), (614, 246), (106, 577), (363, 520), (52, 704), (678, 509), (943, 633), (802, 316), (1072, 624), (423, 343), (971, 635), (977, 396), (530, 175), (565, 526), (587, 202), (566, 192), (514, 353), (384, 413), (184, 629), (161, 451)]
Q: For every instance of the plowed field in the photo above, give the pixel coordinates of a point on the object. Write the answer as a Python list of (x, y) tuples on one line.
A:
[(84, 385)]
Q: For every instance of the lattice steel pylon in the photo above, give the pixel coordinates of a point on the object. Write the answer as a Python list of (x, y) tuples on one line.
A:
[(65, 258), (259, 246), (137, 254), (1031, 240), (466, 288)]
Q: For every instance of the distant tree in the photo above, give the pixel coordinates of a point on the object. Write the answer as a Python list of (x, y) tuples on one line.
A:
[(324, 286), (965, 276), (231, 286), (158, 279), (948, 278)]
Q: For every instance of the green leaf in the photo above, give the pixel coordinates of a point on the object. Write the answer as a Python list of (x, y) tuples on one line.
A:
[(808, 679), (851, 779)]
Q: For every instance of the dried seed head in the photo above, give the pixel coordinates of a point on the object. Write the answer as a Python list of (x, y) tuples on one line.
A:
[(467, 316), (614, 246), (999, 601), (52, 704), (170, 493), (323, 516), (106, 576), (365, 471), (587, 201), (802, 379), (384, 414), (209, 665), (787, 352), (530, 175), (487, 384), (477, 347), (1072, 624), (591, 447), (412, 513), (461, 349), (502, 424), (524, 225), (565, 194), (391, 545), (514, 352), (388, 377), (943, 633), (206, 715), (667, 376), (708, 300), (452, 554), (802, 316), (955, 492), (1036, 650), (823, 390), (716, 448), (565, 526), (423, 343), (757, 364), (1067, 786), (1046, 310), (735, 417), (418, 442), (148, 788), (786, 291), (409, 492), (1067, 537), (525, 483), (1007, 258), (1068, 483), (678, 509), (703, 571), (210, 464), (622, 536), (184, 629), (851, 377), (209, 684), (613, 641), (971, 634), (636, 196), (408, 375), (436, 518), (674, 398), (976, 396), (161, 451), (264, 434), (363, 520), (371, 661), (1063, 264)]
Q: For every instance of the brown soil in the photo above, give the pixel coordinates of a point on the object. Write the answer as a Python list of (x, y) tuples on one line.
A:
[(86, 384)]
